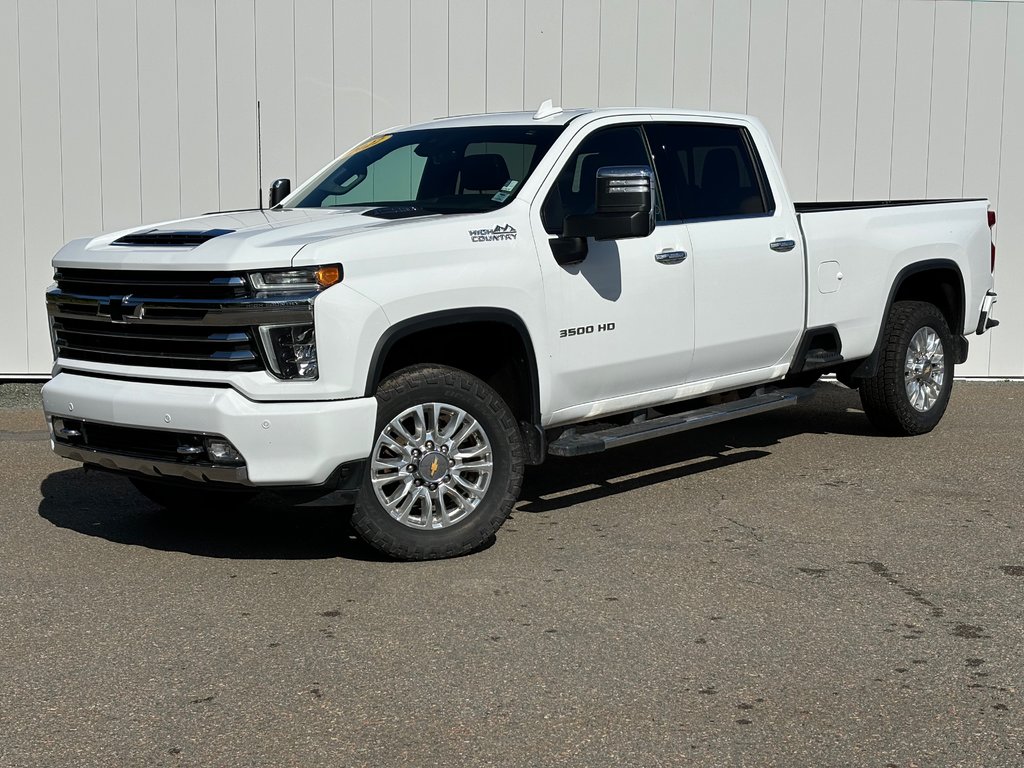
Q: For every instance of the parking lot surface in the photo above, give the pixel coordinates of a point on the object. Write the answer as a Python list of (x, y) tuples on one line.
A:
[(789, 590)]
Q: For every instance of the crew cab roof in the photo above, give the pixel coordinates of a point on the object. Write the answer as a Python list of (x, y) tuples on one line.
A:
[(559, 118)]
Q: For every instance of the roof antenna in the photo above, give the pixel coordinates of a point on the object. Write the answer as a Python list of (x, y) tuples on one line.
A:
[(546, 109), (259, 155)]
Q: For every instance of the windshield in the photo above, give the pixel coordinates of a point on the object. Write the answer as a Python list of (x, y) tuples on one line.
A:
[(443, 170)]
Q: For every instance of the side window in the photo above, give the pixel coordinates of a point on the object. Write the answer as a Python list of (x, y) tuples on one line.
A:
[(574, 190), (708, 171)]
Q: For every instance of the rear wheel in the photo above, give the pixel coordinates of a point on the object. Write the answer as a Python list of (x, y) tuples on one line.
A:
[(909, 392), (445, 467)]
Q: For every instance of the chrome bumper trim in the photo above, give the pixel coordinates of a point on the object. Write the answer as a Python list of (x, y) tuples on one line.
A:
[(152, 468), (986, 320)]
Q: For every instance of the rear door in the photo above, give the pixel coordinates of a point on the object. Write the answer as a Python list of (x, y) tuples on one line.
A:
[(747, 254)]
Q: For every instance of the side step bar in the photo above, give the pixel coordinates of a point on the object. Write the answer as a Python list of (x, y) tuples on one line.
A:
[(573, 443)]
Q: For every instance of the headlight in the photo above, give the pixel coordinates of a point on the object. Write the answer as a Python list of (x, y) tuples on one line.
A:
[(307, 279), (290, 350)]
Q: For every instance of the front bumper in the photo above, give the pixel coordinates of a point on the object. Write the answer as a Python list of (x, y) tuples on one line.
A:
[(282, 444)]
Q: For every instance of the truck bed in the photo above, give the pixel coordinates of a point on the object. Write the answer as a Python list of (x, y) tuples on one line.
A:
[(845, 205)]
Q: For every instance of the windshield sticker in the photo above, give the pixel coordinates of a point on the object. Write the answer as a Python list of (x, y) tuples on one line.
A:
[(499, 232), (500, 197), (510, 185), (367, 144)]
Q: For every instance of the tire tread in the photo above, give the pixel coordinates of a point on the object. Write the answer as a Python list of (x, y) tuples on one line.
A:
[(404, 545)]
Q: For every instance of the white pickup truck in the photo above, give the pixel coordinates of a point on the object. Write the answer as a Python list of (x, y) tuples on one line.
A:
[(448, 302)]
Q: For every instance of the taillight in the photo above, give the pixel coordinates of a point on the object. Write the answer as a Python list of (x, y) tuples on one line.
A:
[(991, 224)]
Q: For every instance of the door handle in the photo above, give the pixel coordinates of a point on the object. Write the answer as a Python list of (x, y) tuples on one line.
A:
[(782, 246), (670, 257)]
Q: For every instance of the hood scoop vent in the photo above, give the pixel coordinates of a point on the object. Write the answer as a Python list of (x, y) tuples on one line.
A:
[(396, 212), (181, 237)]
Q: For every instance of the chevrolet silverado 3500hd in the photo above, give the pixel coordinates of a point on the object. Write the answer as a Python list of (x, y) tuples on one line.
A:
[(448, 302)]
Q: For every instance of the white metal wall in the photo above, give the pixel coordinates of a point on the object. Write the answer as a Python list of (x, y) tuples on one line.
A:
[(119, 112)]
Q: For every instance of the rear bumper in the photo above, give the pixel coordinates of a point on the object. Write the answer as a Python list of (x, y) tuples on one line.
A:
[(986, 321), (281, 444)]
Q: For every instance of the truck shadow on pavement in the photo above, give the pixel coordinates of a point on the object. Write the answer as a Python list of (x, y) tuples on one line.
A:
[(561, 483), (106, 506)]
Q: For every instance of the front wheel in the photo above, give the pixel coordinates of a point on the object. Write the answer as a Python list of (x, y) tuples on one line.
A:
[(910, 390), (445, 467)]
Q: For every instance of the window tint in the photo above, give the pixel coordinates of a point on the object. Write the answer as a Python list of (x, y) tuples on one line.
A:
[(707, 171), (574, 190)]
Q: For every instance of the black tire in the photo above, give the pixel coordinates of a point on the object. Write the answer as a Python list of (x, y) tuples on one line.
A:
[(884, 395), (181, 497), (422, 384)]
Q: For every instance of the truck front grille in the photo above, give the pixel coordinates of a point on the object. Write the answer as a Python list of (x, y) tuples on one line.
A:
[(197, 320), (231, 348), (153, 285)]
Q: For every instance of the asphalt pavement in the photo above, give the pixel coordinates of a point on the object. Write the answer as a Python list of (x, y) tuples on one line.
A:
[(785, 590)]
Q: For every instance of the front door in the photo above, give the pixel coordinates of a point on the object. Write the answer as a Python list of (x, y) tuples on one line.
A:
[(621, 320)]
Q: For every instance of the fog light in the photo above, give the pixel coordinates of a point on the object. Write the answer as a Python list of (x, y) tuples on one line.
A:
[(222, 451)]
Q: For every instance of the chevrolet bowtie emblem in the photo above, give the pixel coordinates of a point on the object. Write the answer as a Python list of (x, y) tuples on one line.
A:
[(433, 467), (118, 309)]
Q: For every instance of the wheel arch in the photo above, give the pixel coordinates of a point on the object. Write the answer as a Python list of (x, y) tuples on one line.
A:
[(518, 378), (936, 281)]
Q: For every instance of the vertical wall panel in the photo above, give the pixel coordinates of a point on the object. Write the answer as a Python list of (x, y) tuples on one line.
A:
[(730, 46), (1008, 339), (766, 67), (236, 103), (506, 32), (14, 341), (655, 53), (119, 110), (314, 86), (949, 100), (580, 57), (353, 78), (429, 71), (805, 34), (275, 87), (616, 85), (542, 64), (158, 111), (839, 75), (391, 63), (79, 119), (913, 99), (691, 80), (984, 126), (875, 99), (41, 183), (467, 57), (197, 107)]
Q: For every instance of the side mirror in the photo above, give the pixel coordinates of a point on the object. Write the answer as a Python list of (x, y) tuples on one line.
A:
[(624, 205), (279, 190)]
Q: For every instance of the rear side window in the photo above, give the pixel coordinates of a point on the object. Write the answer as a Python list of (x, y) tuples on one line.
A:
[(575, 188), (708, 171)]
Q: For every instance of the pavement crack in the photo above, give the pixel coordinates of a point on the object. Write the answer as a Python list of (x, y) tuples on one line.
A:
[(916, 595)]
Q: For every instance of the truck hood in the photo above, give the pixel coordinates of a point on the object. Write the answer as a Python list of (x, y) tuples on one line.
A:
[(232, 240)]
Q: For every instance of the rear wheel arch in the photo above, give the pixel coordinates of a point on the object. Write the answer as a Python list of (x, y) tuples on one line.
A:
[(934, 281)]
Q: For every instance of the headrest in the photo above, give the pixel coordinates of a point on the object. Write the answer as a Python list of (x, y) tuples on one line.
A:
[(721, 171), (484, 173)]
